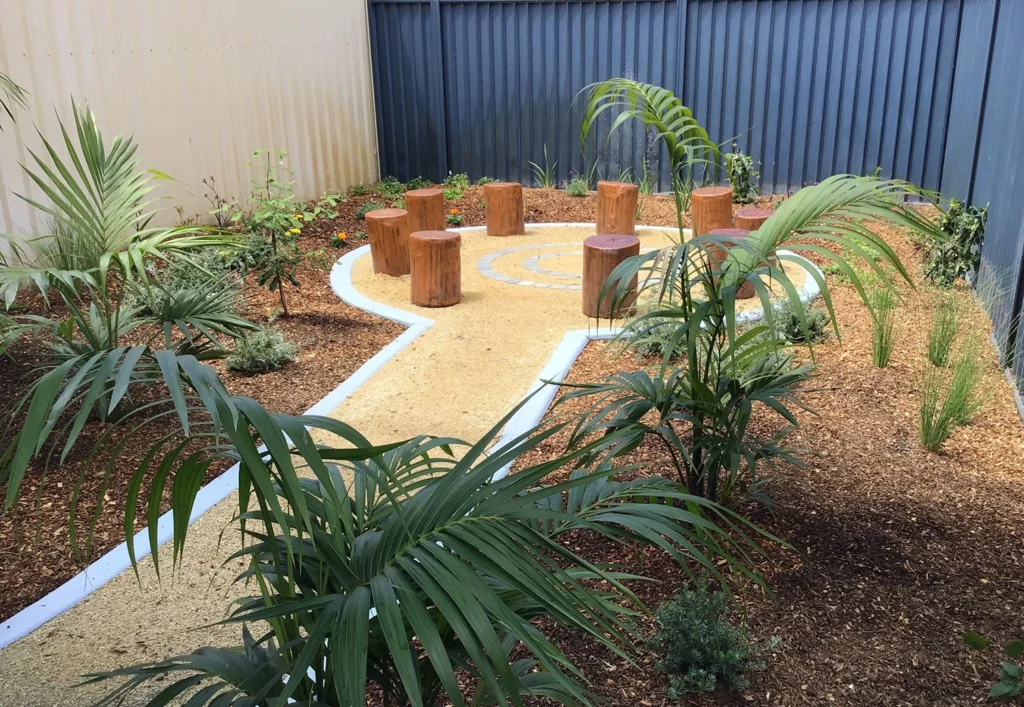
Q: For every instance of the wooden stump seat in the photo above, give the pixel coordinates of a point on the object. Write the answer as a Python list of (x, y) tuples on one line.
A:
[(719, 254), (752, 218), (388, 231), (503, 209), (426, 209), (616, 207), (601, 254), (436, 264), (710, 208)]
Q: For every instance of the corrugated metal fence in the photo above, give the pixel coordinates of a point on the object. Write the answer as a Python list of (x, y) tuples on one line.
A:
[(200, 84), (928, 90)]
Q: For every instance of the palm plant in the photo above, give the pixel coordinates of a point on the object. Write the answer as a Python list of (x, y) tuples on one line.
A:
[(99, 206), (690, 151), (410, 567), (11, 96), (703, 403)]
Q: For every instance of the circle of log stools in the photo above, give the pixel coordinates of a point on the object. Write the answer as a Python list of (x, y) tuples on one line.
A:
[(720, 253), (426, 209), (388, 231), (601, 254), (436, 265), (752, 218), (616, 207), (710, 208), (503, 209)]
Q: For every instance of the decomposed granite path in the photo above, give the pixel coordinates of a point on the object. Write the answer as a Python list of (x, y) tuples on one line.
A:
[(459, 378)]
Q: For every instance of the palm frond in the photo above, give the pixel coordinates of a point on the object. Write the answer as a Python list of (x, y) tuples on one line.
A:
[(11, 96)]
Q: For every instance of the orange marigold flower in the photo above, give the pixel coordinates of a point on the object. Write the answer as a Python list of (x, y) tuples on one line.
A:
[(342, 236), (453, 212)]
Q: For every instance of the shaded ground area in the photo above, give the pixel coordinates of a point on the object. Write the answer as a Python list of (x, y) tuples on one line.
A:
[(896, 550)]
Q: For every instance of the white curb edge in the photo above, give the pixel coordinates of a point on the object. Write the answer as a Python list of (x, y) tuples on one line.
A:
[(116, 561)]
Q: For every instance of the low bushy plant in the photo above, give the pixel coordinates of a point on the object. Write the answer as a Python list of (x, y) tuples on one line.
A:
[(485, 180), (181, 275), (416, 183), (789, 327), (883, 333), (359, 190), (949, 400), (742, 175), (577, 186), (454, 185), (389, 188), (698, 650), (366, 208), (945, 325), (339, 240), (959, 254), (1010, 674), (262, 350), (453, 219)]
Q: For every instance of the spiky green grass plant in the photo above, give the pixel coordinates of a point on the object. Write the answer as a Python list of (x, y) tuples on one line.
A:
[(883, 335), (945, 325), (949, 400)]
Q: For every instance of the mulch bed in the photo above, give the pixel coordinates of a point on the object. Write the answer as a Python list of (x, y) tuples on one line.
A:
[(896, 550)]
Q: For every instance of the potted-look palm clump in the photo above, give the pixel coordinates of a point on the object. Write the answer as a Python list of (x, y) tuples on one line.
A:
[(716, 371), (112, 330)]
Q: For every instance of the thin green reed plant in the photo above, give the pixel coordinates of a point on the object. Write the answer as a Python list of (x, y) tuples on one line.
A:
[(948, 405), (544, 176), (883, 336), (945, 325)]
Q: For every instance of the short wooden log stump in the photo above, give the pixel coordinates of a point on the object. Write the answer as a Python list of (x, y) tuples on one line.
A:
[(616, 207), (503, 209), (720, 253), (601, 255), (436, 263), (388, 230), (426, 209), (710, 208), (752, 218)]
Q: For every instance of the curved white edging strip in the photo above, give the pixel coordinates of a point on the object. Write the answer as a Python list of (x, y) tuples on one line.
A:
[(116, 561)]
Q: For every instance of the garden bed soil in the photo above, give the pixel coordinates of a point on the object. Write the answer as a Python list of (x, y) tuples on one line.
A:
[(35, 549), (896, 550)]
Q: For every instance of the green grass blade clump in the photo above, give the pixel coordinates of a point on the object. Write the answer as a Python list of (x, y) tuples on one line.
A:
[(944, 407), (883, 337), (945, 325)]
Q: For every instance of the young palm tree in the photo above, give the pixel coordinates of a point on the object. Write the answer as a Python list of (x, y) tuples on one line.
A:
[(99, 206), (11, 96), (409, 568)]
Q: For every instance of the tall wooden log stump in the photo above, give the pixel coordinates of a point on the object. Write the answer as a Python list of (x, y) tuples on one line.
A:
[(388, 230), (710, 208), (733, 236), (752, 218), (616, 207), (426, 209), (503, 209), (436, 263), (601, 255)]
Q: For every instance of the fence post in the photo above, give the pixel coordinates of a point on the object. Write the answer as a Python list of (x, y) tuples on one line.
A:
[(440, 95)]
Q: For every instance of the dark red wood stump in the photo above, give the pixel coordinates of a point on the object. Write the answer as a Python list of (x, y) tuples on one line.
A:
[(388, 230), (752, 218), (601, 255), (436, 264)]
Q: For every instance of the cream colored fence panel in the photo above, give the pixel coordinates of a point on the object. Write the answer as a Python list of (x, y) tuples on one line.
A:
[(200, 83)]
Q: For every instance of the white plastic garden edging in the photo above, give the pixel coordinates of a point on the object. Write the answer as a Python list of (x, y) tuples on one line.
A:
[(117, 561)]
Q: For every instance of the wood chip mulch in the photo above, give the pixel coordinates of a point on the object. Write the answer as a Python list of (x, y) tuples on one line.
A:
[(896, 550)]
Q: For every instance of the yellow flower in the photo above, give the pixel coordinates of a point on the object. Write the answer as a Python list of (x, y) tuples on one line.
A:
[(453, 212), (296, 231)]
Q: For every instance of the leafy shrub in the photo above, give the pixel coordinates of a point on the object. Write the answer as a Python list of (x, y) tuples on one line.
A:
[(389, 188), (883, 334), (359, 190), (416, 183), (366, 208), (950, 400), (698, 649), (945, 325), (454, 185), (577, 186), (360, 234), (338, 240), (181, 275), (789, 327), (959, 254), (262, 350), (1011, 675), (742, 175), (398, 204), (485, 180), (453, 219)]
